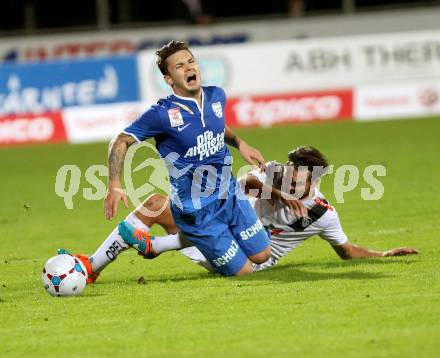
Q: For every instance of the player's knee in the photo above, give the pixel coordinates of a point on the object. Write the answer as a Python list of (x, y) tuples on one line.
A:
[(262, 256), (155, 202), (247, 269)]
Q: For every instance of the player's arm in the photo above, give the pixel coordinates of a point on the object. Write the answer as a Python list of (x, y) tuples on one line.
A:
[(335, 235), (117, 150), (349, 251), (249, 154), (254, 187)]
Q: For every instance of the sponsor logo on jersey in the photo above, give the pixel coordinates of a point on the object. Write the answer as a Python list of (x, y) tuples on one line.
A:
[(227, 256), (175, 117), (250, 232), (207, 145), (217, 108), (324, 203), (182, 128)]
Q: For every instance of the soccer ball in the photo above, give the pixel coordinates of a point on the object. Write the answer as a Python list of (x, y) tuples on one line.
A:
[(64, 275)]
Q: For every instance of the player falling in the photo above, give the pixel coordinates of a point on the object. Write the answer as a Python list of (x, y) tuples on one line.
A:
[(190, 134)]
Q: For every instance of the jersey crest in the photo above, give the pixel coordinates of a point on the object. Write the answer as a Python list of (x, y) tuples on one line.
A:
[(217, 108)]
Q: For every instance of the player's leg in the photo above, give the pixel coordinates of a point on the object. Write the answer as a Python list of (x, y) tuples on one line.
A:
[(196, 256), (246, 269), (107, 252), (113, 245), (207, 229), (159, 203), (214, 247), (155, 210), (248, 230), (261, 256), (223, 254)]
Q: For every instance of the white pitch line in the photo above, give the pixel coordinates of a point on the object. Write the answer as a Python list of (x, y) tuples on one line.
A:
[(388, 231)]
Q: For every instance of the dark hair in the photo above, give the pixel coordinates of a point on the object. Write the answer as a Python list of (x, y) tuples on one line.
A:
[(309, 157), (166, 51)]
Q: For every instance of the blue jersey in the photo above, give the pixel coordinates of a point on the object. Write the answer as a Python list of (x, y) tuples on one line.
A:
[(189, 136)]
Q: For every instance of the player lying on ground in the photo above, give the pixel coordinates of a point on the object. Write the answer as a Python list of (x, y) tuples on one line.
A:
[(276, 214)]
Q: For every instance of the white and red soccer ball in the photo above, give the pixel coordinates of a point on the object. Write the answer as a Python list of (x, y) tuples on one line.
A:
[(64, 275)]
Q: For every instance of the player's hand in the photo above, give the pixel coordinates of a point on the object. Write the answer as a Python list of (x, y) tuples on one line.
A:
[(296, 206), (401, 251), (112, 198), (251, 155)]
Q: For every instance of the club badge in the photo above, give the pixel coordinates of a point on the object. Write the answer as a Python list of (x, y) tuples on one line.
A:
[(217, 108)]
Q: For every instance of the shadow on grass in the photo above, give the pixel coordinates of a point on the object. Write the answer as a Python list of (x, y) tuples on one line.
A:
[(359, 262), (178, 277), (285, 273), (89, 293), (295, 273)]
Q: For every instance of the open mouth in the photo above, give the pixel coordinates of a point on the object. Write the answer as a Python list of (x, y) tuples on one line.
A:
[(191, 79)]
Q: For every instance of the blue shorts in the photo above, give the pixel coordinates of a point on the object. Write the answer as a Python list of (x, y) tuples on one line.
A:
[(226, 231)]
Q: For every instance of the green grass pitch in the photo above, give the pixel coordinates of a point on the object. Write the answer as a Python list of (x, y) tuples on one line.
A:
[(311, 304)]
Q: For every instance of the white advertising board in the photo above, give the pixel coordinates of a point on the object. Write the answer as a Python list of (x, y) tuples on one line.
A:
[(286, 66), (397, 100), (100, 122)]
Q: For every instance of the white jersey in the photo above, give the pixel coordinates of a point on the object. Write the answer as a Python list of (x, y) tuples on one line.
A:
[(286, 234)]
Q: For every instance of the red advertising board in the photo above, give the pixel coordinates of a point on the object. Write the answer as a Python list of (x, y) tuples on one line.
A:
[(269, 110), (32, 128)]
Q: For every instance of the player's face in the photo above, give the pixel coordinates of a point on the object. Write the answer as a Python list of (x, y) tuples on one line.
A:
[(301, 182), (183, 74)]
